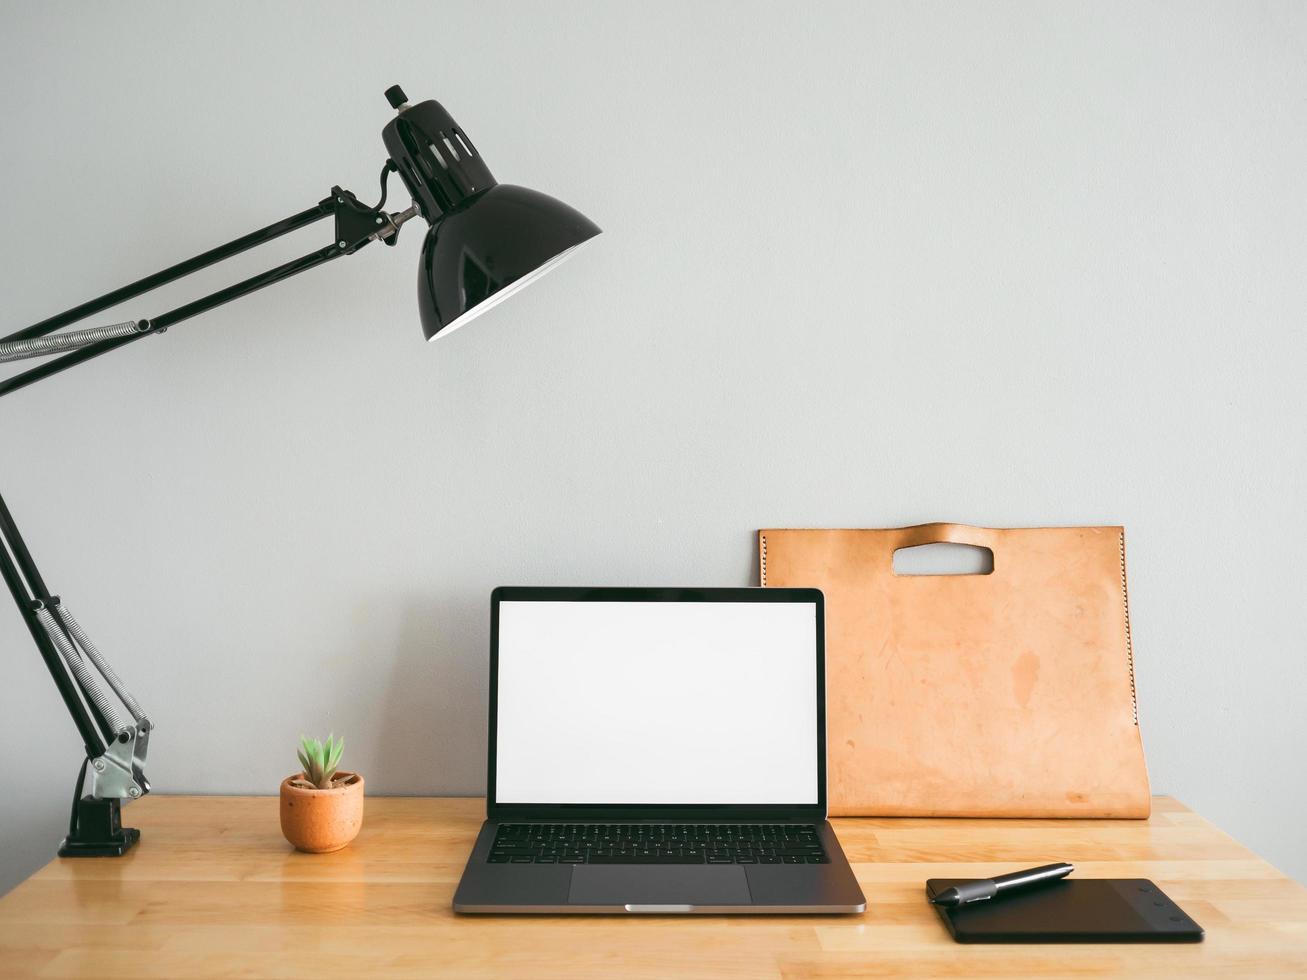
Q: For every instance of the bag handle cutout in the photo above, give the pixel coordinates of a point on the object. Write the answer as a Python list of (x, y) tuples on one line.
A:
[(943, 549)]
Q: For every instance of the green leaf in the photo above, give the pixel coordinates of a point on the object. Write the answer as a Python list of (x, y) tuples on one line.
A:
[(320, 759)]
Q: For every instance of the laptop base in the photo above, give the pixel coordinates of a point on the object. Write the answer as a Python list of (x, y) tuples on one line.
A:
[(632, 889)]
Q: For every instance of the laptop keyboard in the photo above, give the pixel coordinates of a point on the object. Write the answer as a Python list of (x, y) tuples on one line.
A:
[(627, 843)]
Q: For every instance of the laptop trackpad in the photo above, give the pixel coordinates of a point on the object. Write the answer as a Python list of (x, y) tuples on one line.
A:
[(671, 885)]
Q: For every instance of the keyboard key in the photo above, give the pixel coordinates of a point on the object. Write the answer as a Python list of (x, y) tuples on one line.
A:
[(653, 859)]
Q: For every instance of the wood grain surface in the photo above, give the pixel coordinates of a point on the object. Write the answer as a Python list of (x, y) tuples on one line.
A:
[(214, 890)]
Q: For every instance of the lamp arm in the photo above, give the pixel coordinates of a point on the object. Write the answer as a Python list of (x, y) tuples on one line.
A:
[(173, 272), (28, 588), (115, 749), (356, 226)]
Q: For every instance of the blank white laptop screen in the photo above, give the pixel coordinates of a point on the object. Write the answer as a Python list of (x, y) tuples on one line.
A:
[(657, 702)]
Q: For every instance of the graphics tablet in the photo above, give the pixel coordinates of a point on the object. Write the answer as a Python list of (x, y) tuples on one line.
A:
[(1077, 910)]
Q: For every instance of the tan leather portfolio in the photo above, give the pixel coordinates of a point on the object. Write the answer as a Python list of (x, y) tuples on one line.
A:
[(1007, 694)]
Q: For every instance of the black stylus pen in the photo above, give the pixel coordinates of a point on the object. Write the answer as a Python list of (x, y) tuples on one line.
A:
[(979, 891)]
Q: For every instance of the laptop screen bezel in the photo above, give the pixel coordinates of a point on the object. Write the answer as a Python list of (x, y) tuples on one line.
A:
[(635, 811)]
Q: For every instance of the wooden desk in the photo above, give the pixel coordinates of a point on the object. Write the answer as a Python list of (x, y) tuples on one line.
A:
[(213, 889)]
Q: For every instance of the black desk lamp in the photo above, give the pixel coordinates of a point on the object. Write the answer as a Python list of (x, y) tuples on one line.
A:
[(485, 241)]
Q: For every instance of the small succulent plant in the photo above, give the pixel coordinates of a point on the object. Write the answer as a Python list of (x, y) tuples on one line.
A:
[(320, 759)]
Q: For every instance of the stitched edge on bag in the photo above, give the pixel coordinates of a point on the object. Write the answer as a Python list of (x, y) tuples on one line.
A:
[(762, 558), (1129, 641)]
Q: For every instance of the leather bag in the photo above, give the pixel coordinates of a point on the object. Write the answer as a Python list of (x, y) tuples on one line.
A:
[(1007, 694)]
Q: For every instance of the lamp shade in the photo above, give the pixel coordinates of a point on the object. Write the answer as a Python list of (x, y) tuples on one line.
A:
[(487, 239), (489, 247)]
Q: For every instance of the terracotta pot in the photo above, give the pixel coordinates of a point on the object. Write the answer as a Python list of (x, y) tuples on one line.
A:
[(321, 820)]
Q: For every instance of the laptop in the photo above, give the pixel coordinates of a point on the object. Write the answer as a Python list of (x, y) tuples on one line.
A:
[(657, 751)]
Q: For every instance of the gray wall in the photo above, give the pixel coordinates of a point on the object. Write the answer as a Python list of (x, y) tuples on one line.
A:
[(864, 265)]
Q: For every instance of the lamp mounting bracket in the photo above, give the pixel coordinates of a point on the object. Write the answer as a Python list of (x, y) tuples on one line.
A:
[(357, 224)]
